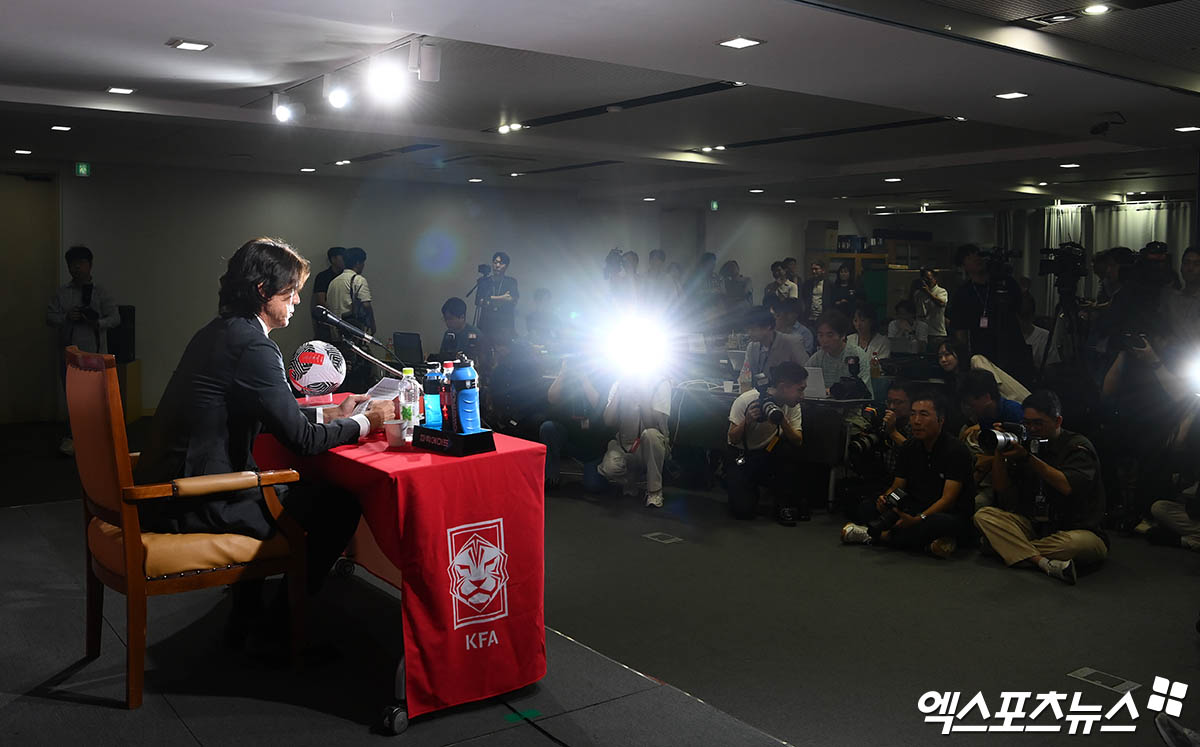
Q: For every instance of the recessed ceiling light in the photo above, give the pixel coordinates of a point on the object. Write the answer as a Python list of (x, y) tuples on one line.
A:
[(122, 91), (1041, 184), (515, 173), (960, 119), (740, 42), (307, 171), (1188, 128), (1141, 193), (757, 191), (707, 149), (1068, 165), (503, 129), (1098, 9), (342, 162), (739, 82), (475, 180), (881, 207), (1060, 18), (893, 179), (23, 152), (647, 199), (719, 147), (188, 45), (515, 126), (1012, 95), (1129, 193), (790, 202), (60, 128)]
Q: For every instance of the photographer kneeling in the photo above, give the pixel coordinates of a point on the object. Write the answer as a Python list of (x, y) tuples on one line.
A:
[(920, 511), (1052, 489), (766, 427)]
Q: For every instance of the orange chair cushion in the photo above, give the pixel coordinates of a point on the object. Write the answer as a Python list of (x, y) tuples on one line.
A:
[(167, 554)]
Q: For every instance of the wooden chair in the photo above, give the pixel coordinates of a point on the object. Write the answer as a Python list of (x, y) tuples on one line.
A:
[(140, 564)]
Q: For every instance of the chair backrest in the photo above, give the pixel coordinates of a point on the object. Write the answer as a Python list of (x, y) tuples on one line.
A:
[(98, 429)]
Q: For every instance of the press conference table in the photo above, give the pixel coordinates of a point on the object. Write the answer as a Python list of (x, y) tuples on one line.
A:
[(466, 535)]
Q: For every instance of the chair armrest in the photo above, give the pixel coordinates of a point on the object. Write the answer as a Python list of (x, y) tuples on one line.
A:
[(192, 487)]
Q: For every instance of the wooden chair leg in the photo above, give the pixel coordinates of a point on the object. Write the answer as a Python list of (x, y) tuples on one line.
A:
[(297, 604), (95, 609), (135, 661)]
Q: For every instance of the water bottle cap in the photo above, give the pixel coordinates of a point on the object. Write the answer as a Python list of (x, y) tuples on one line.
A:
[(406, 371), (447, 364)]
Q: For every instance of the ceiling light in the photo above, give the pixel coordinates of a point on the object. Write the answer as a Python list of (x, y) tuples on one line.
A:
[(515, 173), (23, 152), (386, 80), (1068, 165), (1060, 18), (1188, 128), (515, 126), (707, 149), (1098, 9), (1141, 193), (60, 128), (790, 202), (740, 42), (342, 162), (475, 180), (960, 119), (881, 207), (189, 46), (122, 91), (719, 147), (282, 108), (893, 179), (307, 171), (502, 129), (739, 82), (338, 98), (757, 191), (1129, 193), (1011, 95), (648, 199), (1041, 184)]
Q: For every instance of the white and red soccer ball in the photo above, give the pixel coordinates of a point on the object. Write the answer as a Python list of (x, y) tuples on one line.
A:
[(317, 368)]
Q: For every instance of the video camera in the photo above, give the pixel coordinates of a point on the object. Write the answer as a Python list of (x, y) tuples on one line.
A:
[(1067, 261), (890, 516), (997, 259), (993, 441)]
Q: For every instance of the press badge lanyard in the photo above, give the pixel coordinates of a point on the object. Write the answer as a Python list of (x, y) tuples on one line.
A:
[(983, 318)]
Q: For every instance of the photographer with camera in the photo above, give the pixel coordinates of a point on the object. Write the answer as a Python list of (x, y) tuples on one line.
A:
[(765, 427), (982, 312), (1182, 306), (768, 347), (922, 510), (638, 407), (1049, 493)]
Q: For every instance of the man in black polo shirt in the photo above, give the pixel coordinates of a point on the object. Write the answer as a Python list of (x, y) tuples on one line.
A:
[(337, 262), (1051, 504), (934, 470), (982, 314)]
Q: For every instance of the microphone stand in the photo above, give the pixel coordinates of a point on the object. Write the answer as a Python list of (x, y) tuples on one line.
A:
[(368, 357)]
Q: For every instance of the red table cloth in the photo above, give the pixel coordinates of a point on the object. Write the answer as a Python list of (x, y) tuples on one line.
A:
[(467, 535)]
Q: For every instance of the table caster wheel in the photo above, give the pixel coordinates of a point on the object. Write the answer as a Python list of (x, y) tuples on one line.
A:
[(395, 719), (343, 568)]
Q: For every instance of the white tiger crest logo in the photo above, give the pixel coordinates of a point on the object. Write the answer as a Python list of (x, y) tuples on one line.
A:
[(478, 572)]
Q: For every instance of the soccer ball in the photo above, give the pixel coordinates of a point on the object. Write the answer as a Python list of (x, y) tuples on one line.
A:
[(317, 368)]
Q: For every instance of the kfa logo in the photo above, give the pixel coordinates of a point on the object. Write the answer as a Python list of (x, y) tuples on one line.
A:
[(478, 572)]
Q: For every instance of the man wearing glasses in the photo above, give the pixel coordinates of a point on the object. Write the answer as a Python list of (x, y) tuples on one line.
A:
[(1049, 504)]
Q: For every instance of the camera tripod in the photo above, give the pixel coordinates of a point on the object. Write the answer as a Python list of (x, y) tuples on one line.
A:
[(1067, 309)]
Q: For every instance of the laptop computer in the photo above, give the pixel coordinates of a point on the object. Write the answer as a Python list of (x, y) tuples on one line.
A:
[(407, 347), (816, 384)]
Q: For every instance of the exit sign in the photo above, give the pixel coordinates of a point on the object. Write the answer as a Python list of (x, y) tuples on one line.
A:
[(713, 205), (83, 168)]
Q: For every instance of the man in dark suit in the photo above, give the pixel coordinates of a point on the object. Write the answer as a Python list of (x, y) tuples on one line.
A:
[(229, 386)]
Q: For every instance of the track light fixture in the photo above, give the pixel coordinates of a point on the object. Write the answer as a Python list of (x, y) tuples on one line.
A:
[(284, 109)]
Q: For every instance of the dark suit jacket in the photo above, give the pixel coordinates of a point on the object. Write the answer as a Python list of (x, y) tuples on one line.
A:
[(229, 386)]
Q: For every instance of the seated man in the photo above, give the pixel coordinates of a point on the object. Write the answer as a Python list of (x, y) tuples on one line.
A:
[(638, 407), (1049, 504), (906, 327), (459, 335), (575, 427), (768, 452), (230, 385), (982, 401), (768, 348), (896, 425), (835, 357), (787, 313), (933, 470)]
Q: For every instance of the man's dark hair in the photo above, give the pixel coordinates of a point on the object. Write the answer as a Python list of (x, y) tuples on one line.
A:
[(1045, 402), (454, 307), (355, 256), (658, 254), (760, 317), (503, 258), (836, 321), (910, 388), (776, 266), (905, 305), (78, 252), (867, 311), (788, 372), (964, 251), (976, 383), (818, 262), (270, 263), (785, 260), (935, 398), (335, 251)]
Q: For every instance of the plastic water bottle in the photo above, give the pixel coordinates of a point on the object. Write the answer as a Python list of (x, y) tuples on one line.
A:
[(433, 398), (409, 403), (466, 390), (446, 396)]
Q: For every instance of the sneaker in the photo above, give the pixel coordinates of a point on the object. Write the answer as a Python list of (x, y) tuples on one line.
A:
[(943, 547), (787, 516), (66, 447), (1142, 527), (855, 534), (654, 500), (1063, 570)]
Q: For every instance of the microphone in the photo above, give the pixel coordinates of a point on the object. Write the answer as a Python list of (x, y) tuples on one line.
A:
[(329, 317)]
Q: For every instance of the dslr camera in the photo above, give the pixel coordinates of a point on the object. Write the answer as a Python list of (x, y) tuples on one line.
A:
[(872, 437), (1067, 261), (770, 410), (993, 441), (889, 517)]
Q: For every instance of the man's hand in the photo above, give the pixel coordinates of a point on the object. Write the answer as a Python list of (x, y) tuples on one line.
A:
[(754, 411), (1015, 453), (378, 411), (889, 422), (881, 504), (906, 520), (346, 409), (1145, 353)]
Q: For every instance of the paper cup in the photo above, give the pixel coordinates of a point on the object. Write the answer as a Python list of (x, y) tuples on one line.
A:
[(394, 430)]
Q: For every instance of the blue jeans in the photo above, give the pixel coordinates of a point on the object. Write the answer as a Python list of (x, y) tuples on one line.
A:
[(558, 445)]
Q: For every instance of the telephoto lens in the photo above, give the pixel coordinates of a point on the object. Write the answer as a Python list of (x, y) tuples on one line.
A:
[(993, 441), (772, 412)]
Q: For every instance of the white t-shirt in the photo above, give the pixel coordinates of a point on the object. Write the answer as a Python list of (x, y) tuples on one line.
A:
[(933, 314), (787, 289), (758, 435), (879, 346), (898, 330), (629, 424)]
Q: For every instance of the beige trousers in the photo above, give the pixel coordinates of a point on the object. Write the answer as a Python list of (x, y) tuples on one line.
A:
[(1011, 537)]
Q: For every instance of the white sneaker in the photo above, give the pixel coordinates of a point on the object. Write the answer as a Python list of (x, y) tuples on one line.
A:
[(1063, 570), (1142, 527), (66, 447), (855, 534), (654, 500)]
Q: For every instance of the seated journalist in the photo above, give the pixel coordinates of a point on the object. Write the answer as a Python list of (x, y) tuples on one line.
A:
[(228, 387), (933, 471)]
